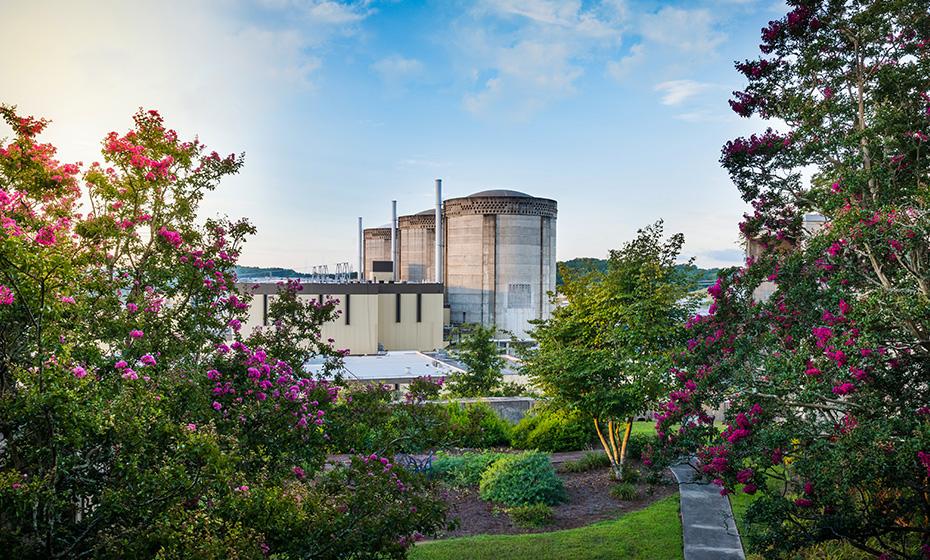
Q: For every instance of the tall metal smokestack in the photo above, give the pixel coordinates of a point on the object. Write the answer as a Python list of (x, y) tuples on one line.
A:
[(394, 275), (361, 251), (438, 257)]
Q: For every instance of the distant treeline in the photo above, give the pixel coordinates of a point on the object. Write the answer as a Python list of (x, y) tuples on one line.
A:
[(703, 276), (244, 272)]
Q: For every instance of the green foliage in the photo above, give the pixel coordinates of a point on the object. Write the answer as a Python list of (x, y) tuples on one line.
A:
[(479, 353), (465, 469), (639, 443), (477, 426), (819, 343), (592, 460), (651, 533), (137, 420), (529, 516), (527, 478), (554, 430), (624, 491), (607, 352)]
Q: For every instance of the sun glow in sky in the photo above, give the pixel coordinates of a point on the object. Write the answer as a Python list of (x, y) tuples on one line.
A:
[(615, 108)]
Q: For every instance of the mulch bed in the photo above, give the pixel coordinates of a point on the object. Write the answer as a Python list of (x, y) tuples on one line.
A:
[(589, 501)]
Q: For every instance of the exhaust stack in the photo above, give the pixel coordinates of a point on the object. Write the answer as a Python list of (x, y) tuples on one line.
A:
[(394, 275), (361, 251), (437, 266)]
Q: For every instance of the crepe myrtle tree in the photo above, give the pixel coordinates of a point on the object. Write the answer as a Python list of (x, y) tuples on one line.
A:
[(828, 379), (607, 351), (131, 426)]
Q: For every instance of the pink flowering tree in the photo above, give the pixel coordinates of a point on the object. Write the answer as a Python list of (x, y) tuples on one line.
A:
[(136, 420), (820, 345)]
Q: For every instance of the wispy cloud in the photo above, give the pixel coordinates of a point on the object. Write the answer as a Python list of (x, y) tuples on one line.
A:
[(691, 32), (524, 54), (396, 69), (620, 69), (675, 92)]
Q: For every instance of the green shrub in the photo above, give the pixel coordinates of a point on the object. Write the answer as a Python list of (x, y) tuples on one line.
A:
[(527, 478), (638, 443), (588, 462), (559, 430), (476, 425), (533, 515), (630, 474), (463, 470), (624, 491)]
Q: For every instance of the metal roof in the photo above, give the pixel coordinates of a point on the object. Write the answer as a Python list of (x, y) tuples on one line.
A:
[(501, 192)]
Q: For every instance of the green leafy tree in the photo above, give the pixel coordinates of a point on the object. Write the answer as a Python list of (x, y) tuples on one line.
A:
[(477, 350), (136, 421), (828, 378), (606, 353)]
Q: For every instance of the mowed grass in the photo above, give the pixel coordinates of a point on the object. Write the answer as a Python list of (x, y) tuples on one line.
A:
[(652, 533)]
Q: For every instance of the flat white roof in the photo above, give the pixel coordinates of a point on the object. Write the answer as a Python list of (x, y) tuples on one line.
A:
[(401, 366), (389, 366)]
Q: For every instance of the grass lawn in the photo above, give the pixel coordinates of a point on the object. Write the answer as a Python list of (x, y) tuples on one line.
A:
[(652, 533), (643, 428)]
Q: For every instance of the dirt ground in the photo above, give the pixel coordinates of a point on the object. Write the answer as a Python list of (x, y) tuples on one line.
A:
[(589, 501)]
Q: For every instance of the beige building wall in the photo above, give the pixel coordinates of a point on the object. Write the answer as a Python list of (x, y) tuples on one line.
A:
[(371, 315)]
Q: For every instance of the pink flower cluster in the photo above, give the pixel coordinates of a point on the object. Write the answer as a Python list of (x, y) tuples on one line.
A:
[(266, 379), (6, 295)]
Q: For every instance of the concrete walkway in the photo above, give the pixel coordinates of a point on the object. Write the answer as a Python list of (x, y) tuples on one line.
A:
[(709, 531)]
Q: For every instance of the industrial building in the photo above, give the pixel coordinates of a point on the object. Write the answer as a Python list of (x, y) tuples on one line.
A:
[(374, 317), (495, 252)]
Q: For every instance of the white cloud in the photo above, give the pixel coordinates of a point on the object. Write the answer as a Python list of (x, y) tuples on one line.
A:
[(395, 69), (689, 31), (620, 69), (675, 92), (524, 54)]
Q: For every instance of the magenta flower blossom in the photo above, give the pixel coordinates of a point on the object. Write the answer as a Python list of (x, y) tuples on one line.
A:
[(844, 388), (67, 299), (136, 333), (131, 307), (750, 488), (79, 372), (148, 360), (192, 427), (217, 406), (6, 295), (299, 472), (172, 237), (130, 374), (46, 236)]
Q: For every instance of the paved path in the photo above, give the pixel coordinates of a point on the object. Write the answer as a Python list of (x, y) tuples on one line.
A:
[(709, 530)]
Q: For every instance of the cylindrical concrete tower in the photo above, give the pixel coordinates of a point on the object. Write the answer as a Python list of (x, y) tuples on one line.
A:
[(500, 259), (417, 246), (377, 248)]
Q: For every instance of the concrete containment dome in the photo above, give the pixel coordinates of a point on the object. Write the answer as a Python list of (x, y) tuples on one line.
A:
[(417, 238), (499, 259)]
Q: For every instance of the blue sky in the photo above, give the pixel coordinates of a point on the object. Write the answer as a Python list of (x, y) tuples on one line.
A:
[(615, 108)]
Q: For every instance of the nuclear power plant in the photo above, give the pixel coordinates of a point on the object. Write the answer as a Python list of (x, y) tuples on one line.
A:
[(493, 252), (486, 258)]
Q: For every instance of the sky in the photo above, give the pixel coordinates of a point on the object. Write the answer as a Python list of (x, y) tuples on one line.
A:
[(617, 109)]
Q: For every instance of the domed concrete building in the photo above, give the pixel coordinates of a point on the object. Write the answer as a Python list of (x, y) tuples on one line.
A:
[(499, 260)]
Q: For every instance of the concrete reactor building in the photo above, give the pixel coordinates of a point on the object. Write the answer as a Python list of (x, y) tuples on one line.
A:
[(495, 253)]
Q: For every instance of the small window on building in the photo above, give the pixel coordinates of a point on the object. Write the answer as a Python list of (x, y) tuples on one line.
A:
[(265, 309), (348, 299), (519, 296), (397, 308), (419, 308)]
